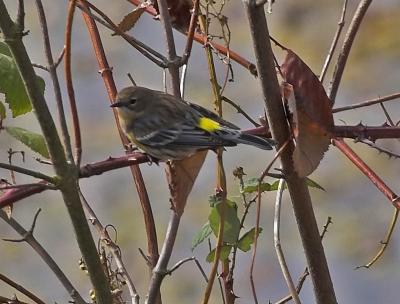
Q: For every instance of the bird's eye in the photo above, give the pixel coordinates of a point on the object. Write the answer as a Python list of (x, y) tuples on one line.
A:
[(132, 101)]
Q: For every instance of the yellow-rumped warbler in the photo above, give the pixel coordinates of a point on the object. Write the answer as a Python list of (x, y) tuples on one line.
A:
[(168, 128)]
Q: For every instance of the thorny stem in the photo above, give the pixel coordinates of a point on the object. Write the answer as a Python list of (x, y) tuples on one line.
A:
[(364, 168)]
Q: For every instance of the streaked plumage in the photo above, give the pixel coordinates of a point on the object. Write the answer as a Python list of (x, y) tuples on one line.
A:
[(166, 127)]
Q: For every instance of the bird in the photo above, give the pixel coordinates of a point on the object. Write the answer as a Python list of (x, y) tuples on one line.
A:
[(168, 128)]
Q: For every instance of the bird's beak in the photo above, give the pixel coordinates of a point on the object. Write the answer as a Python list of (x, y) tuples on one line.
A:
[(117, 104)]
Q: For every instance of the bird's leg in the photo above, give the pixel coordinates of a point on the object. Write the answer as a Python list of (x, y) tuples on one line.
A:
[(152, 160), (129, 148)]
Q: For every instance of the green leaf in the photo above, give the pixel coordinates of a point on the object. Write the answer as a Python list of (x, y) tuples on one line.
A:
[(251, 186), (310, 183), (313, 184), (34, 141), (204, 233), (231, 223), (4, 49), (225, 251), (248, 239), (12, 86), (2, 111), (275, 185)]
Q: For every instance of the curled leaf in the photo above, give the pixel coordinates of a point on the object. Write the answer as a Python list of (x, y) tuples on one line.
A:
[(311, 109), (130, 19)]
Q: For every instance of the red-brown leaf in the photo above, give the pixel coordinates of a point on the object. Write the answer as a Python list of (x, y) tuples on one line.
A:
[(130, 19), (179, 11), (312, 120)]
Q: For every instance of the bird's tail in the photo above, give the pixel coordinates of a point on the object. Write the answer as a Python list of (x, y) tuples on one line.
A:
[(259, 142)]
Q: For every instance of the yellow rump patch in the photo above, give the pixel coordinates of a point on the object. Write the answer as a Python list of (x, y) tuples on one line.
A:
[(208, 124)]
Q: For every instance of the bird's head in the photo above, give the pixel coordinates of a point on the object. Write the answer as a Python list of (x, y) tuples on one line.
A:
[(132, 101)]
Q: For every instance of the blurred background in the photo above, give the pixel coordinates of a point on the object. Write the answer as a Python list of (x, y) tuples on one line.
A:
[(360, 213)]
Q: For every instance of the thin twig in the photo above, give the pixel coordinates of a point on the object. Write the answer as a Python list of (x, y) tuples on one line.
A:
[(181, 262), (384, 243), (367, 103), (380, 149), (200, 38), (306, 273), (258, 213), (221, 178), (113, 248), (21, 289), (190, 34), (37, 247), (240, 110), (364, 168), (277, 121), (334, 43), (54, 78), (29, 172), (69, 83), (153, 294), (106, 73), (277, 243), (140, 46), (2, 188), (346, 47), (170, 44)]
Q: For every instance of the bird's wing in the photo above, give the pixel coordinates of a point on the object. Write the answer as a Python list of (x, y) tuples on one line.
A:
[(180, 134), (197, 110), (209, 114)]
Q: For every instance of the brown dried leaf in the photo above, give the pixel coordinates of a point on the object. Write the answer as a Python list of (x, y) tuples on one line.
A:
[(312, 120), (181, 176), (180, 12), (130, 19)]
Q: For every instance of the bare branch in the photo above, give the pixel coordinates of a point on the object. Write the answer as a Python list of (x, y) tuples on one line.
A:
[(346, 47), (367, 103), (69, 83), (114, 249), (334, 43), (240, 110), (277, 121), (21, 289), (31, 240), (54, 78), (384, 243), (277, 243), (29, 172), (368, 172)]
